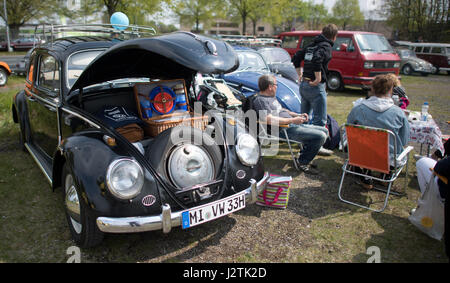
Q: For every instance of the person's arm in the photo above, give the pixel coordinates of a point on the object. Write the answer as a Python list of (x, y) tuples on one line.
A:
[(299, 73), (318, 79), (297, 61), (275, 120)]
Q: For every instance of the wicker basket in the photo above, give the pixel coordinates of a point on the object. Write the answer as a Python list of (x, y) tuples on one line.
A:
[(154, 126)]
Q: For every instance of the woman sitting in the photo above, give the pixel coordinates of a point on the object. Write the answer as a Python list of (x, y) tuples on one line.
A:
[(379, 111)]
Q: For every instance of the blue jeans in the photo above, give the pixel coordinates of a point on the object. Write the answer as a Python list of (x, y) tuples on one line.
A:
[(312, 137), (314, 98)]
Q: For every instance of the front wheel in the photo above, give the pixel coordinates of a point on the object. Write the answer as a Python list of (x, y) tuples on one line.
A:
[(334, 82), (83, 227), (407, 70)]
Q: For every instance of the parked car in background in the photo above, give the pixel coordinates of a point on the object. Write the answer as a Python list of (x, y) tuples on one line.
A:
[(279, 62), (4, 45), (5, 71), (412, 64), (357, 56), (437, 54), (155, 176), (245, 79), (23, 44)]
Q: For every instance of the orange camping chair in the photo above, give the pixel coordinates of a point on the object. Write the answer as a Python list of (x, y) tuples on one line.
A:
[(368, 148)]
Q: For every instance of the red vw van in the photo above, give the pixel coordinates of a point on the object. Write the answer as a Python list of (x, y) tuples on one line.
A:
[(357, 56)]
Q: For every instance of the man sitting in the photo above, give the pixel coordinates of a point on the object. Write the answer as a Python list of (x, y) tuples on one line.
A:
[(270, 111)]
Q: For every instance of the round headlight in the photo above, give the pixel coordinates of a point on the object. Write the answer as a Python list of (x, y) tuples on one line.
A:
[(247, 150), (125, 178)]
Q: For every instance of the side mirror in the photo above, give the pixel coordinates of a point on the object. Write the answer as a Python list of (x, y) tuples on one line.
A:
[(343, 47)]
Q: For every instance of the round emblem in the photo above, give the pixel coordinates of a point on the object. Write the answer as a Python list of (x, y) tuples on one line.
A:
[(240, 174), (148, 200)]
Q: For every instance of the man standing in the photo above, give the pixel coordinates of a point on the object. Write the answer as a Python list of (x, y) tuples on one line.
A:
[(316, 57), (270, 110)]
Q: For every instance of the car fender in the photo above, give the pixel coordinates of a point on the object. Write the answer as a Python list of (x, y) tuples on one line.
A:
[(88, 158), (6, 67), (20, 113)]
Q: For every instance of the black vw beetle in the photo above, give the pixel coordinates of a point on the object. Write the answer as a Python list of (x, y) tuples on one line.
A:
[(110, 183)]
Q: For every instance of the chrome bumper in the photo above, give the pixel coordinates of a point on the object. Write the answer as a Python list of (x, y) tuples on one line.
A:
[(167, 219)]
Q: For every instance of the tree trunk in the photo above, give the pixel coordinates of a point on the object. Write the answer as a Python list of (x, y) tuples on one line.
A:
[(244, 26), (14, 31)]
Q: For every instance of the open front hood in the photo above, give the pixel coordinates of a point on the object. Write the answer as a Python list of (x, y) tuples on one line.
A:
[(172, 56)]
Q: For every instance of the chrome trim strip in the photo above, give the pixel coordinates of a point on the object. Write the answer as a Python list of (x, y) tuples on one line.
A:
[(81, 117), (167, 219), (38, 163)]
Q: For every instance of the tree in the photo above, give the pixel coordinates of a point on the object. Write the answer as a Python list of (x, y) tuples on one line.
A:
[(347, 13), (420, 18), (20, 12), (136, 9), (316, 15), (196, 12), (243, 8)]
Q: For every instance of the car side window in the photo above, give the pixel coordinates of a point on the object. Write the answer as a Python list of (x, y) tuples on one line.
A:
[(343, 40), (436, 50), (306, 40), (426, 49), (49, 73), (289, 41)]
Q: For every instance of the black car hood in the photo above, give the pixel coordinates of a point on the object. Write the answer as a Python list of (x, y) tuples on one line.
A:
[(171, 56)]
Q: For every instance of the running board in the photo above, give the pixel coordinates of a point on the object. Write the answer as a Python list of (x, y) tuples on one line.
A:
[(45, 168)]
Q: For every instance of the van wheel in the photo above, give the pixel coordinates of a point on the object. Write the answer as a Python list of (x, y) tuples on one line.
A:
[(407, 70), (334, 82)]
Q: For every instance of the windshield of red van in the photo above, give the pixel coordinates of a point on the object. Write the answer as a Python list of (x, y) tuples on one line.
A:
[(373, 43)]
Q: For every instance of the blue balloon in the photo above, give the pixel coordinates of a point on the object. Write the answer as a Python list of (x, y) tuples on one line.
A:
[(119, 18)]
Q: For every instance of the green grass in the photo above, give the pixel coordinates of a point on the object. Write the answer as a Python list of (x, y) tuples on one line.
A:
[(316, 226)]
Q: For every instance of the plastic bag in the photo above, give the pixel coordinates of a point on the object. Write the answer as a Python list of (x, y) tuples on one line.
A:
[(429, 214)]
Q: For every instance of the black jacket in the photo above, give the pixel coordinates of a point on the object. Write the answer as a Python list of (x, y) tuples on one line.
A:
[(319, 62)]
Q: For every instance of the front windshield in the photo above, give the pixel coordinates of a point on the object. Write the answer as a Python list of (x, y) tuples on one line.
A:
[(373, 43), (77, 62), (407, 53), (251, 61), (276, 55)]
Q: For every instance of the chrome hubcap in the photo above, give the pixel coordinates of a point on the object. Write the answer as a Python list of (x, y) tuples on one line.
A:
[(334, 82), (73, 204), (2, 78)]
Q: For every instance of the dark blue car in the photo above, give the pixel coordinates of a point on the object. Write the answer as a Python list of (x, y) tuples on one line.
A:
[(245, 79)]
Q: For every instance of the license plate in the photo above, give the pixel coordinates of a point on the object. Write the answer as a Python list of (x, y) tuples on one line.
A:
[(214, 210)]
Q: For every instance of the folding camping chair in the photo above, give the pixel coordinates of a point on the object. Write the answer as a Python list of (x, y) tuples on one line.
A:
[(264, 131), (368, 148)]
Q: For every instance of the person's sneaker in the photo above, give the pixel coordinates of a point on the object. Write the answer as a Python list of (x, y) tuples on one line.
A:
[(308, 169), (325, 152)]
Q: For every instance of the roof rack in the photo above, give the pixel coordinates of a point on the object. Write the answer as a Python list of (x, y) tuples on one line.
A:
[(49, 32), (250, 41)]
